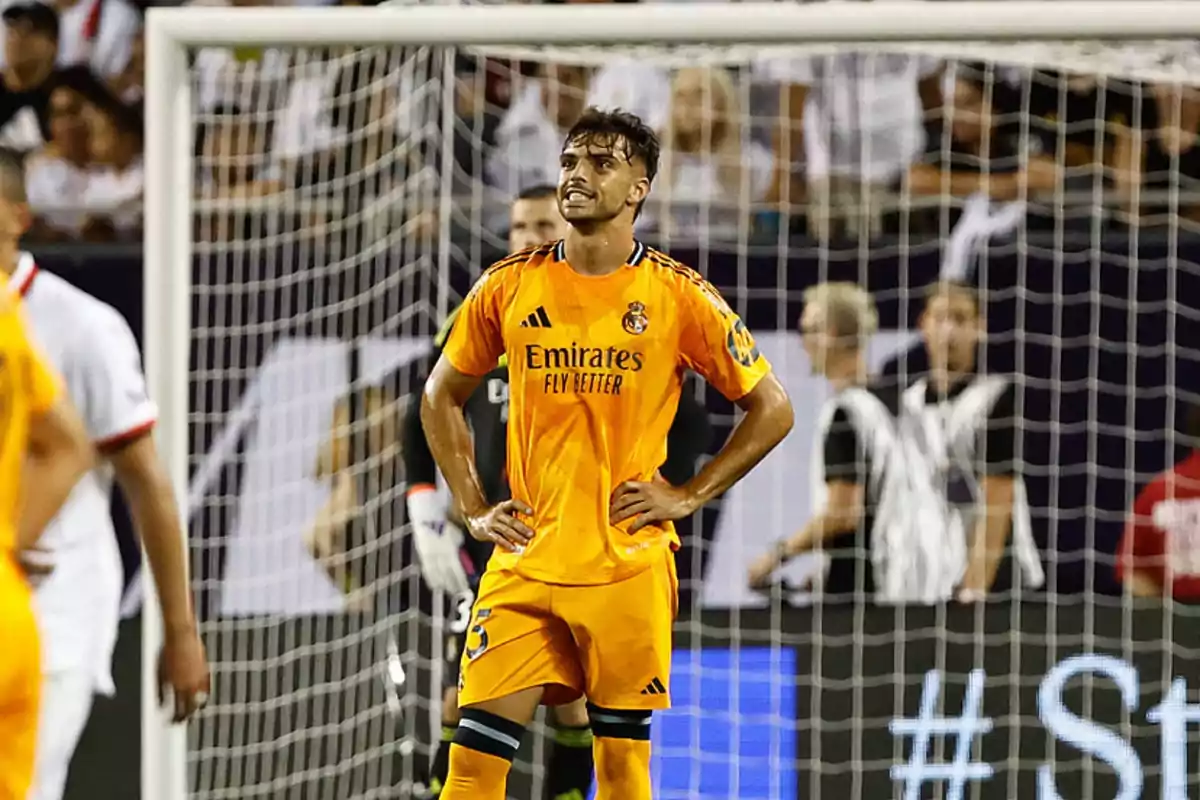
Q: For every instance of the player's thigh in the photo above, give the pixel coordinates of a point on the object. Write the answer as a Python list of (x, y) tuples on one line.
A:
[(20, 690), (624, 636), (66, 703), (514, 645), (571, 715)]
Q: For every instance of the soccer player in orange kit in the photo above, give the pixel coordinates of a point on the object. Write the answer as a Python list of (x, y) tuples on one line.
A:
[(44, 451), (580, 595)]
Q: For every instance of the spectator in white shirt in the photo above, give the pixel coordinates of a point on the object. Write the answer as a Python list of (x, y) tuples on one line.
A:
[(529, 138), (114, 193), (232, 155), (97, 34), (56, 176), (857, 118), (709, 171), (251, 78), (130, 83)]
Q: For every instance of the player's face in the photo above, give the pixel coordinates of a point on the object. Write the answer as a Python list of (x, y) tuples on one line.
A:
[(534, 221), (819, 338), (951, 327), (598, 181)]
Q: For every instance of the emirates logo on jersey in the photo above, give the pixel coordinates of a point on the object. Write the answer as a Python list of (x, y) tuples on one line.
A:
[(635, 321)]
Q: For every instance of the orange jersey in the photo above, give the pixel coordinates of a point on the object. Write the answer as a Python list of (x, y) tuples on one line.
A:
[(28, 386), (596, 366)]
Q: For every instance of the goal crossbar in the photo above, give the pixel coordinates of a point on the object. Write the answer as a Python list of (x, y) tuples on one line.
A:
[(678, 23)]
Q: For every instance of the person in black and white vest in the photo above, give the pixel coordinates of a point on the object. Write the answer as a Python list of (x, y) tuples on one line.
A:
[(959, 433), (850, 456)]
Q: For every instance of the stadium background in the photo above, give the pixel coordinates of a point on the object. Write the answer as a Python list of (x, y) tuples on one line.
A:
[(1097, 318)]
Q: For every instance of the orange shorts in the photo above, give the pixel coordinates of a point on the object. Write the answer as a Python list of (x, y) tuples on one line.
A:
[(610, 643), (20, 682)]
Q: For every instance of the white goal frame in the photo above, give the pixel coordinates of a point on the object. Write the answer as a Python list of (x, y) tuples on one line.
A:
[(171, 32)]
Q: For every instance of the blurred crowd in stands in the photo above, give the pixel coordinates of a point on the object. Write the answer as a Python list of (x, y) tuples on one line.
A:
[(834, 147)]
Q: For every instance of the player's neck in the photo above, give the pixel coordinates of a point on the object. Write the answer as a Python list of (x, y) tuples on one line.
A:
[(10, 255), (946, 378), (851, 371), (598, 252)]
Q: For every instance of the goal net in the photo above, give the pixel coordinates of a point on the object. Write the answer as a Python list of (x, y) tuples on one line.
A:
[(345, 198)]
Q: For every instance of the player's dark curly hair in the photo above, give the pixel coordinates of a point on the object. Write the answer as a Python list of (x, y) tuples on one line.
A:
[(607, 127)]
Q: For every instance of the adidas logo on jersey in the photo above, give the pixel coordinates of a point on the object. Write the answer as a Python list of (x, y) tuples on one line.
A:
[(538, 319), (654, 687)]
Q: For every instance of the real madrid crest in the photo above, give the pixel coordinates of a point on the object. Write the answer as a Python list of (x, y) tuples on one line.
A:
[(635, 321)]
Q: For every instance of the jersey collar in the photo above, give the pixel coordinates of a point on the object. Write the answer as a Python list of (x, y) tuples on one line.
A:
[(635, 257), (23, 275)]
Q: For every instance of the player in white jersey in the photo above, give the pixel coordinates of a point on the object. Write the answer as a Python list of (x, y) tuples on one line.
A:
[(77, 567)]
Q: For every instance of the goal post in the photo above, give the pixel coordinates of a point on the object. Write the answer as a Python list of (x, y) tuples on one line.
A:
[(1091, 34)]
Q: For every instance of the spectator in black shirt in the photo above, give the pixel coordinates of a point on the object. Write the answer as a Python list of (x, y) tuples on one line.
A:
[(981, 147), (838, 320), (1163, 155)]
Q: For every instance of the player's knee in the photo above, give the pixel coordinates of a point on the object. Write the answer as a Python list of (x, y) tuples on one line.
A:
[(611, 723), (483, 732), (572, 715)]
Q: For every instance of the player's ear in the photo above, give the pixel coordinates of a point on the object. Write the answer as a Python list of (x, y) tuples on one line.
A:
[(638, 192)]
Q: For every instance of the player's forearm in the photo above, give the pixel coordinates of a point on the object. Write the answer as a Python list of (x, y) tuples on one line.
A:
[(450, 442), (827, 525), (157, 521), (325, 540), (59, 454), (768, 419), (992, 530)]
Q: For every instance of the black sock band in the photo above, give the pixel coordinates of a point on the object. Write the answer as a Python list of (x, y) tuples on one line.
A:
[(611, 723), (488, 733)]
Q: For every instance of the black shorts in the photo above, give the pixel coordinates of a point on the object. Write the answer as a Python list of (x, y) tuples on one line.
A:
[(460, 613)]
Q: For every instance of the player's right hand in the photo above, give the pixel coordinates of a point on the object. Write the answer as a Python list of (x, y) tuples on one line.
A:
[(499, 524), (438, 543)]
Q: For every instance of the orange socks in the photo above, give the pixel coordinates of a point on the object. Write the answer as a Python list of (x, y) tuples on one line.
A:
[(475, 775), (481, 755)]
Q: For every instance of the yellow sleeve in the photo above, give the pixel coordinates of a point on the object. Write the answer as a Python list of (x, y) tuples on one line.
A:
[(476, 340), (45, 387), (716, 343), (41, 381)]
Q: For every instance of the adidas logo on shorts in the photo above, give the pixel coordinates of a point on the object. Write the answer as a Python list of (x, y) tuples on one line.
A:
[(655, 687)]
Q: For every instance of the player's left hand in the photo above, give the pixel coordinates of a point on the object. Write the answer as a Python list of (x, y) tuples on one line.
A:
[(648, 503), (183, 670)]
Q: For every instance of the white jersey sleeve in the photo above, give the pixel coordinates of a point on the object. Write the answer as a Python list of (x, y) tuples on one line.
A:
[(106, 373)]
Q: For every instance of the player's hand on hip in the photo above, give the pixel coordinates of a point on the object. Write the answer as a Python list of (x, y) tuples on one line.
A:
[(438, 543), (183, 670), (647, 503), (502, 525)]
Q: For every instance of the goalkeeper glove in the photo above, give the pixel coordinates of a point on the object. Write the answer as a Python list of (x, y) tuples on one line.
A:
[(438, 542)]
